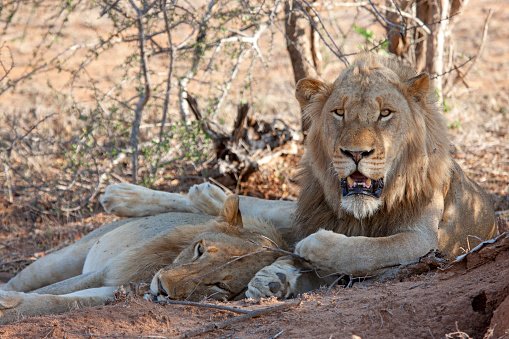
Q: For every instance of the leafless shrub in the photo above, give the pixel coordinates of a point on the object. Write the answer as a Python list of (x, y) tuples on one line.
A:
[(156, 52)]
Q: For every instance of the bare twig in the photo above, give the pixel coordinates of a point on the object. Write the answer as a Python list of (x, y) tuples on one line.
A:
[(402, 28), (8, 69), (117, 335), (480, 50), (453, 69), (208, 328), (226, 189), (17, 138), (231, 321), (191, 303), (336, 50)]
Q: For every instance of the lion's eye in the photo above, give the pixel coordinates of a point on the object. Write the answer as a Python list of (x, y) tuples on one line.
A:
[(338, 113), (385, 113), (198, 250)]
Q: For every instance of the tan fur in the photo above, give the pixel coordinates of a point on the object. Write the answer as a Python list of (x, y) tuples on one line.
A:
[(378, 121), (134, 250), (420, 165)]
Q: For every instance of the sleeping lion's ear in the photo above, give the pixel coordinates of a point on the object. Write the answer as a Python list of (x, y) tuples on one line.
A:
[(305, 90), (231, 212), (419, 86)]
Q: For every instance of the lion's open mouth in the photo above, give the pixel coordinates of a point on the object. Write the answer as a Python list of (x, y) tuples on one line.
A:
[(357, 183)]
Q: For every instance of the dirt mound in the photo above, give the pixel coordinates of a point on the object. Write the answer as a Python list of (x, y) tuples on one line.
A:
[(469, 297)]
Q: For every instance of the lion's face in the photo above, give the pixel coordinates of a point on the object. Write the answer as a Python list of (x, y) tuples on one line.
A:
[(218, 264), (363, 127)]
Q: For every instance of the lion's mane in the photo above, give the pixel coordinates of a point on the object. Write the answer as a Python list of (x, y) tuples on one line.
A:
[(422, 167)]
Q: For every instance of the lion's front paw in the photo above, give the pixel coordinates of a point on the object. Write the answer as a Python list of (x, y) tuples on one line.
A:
[(277, 280), (322, 248), (206, 198), (124, 199)]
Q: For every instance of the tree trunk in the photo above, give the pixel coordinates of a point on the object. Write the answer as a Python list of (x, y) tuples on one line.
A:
[(302, 47)]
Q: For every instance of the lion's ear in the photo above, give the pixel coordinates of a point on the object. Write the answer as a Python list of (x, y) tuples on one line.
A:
[(418, 87), (305, 90), (231, 212)]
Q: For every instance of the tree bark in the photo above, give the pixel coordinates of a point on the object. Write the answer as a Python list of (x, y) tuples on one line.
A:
[(302, 47), (298, 45)]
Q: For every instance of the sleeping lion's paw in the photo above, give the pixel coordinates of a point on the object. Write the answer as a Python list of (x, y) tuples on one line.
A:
[(206, 198), (277, 280), (124, 199), (323, 249)]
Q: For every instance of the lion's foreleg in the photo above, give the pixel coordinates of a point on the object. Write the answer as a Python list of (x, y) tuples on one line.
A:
[(15, 305), (364, 256)]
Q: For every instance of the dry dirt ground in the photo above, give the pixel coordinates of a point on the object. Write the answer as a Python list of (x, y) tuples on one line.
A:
[(470, 298)]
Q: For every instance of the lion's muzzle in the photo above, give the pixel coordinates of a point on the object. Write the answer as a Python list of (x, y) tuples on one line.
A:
[(357, 183)]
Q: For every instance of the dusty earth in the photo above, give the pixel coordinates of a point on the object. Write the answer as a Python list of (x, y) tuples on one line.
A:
[(468, 298)]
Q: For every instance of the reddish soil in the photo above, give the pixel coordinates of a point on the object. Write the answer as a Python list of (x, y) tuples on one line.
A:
[(459, 300)]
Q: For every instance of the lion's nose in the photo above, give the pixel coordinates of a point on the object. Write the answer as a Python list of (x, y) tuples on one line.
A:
[(357, 155)]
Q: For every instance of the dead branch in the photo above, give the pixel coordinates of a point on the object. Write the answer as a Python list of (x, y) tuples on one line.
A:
[(233, 156), (480, 50), (116, 335), (8, 69), (145, 95), (168, 81), (197, 56), (191, 303), (453, 69), (205, 329), (18, 138), (231, 321), (402, 28), (336, 50)]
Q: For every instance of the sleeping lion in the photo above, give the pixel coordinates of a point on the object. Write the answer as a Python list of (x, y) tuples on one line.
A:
[(378, 184), (182, 255)]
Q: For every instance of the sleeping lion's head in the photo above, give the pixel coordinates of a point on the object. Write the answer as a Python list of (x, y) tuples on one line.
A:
[(219, 263), (376, 138)]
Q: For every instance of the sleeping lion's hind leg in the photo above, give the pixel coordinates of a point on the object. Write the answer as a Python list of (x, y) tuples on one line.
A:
[(57, 266), (15, 305), (83, 281)]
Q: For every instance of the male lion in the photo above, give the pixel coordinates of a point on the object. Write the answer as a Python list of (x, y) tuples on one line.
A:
[(195, 256), (378, 185)]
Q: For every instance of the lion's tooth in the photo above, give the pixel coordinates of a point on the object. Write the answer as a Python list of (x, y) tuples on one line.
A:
[(351, 182), (368, 183)]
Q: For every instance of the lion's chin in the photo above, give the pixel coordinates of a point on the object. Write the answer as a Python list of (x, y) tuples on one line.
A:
[(360, 205)]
